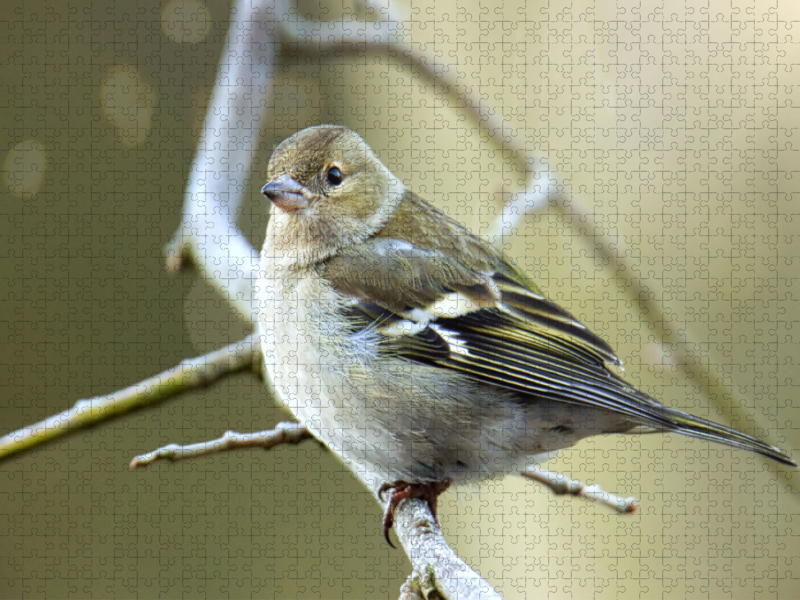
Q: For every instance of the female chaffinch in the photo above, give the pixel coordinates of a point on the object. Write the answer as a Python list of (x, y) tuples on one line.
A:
[(413, 348)]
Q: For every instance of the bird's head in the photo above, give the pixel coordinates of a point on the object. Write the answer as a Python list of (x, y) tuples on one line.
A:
[(328, 190)]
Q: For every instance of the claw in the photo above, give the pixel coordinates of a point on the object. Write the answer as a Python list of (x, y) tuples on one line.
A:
[(402, 490)]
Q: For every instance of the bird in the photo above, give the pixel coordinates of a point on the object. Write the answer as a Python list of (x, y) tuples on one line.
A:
[(415, 349)]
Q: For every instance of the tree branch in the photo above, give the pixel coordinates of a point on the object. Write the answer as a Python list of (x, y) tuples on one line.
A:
[(561, 484), (284, 433), (190, 374), (208, 235), (437, 569)]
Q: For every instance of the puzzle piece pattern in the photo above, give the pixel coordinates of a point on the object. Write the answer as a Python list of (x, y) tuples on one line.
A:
[(669, 125)]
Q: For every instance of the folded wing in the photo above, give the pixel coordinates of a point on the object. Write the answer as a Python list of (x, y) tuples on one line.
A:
[(495, 327)]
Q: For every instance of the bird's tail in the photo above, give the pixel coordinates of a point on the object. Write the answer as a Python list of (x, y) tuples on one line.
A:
[(696, 427)]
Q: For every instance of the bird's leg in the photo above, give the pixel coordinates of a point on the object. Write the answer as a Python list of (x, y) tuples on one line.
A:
[(402, 490), (561, 484)]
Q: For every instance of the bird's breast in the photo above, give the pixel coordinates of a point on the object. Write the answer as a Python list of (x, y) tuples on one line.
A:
[(387, 417), (318, 371)]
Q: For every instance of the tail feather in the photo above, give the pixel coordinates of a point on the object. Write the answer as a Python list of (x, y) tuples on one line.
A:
[(703, 429)]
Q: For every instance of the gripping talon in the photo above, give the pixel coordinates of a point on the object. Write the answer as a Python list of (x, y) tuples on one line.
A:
[(402, 490)]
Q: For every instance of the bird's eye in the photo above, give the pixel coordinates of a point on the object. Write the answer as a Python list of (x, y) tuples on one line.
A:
[(335, 176)]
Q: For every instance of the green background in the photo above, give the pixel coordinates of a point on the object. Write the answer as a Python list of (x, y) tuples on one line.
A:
[(674, 124)]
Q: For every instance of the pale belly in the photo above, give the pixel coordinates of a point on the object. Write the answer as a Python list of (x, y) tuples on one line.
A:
[(388, 419), (318, 380)]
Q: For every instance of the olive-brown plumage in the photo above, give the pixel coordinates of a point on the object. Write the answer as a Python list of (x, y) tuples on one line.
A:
[(416, 350)]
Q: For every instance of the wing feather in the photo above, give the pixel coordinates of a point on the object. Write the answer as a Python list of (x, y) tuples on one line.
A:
[(484, 318)]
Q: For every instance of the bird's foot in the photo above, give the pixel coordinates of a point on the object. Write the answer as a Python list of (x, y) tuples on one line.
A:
[(402, 490)]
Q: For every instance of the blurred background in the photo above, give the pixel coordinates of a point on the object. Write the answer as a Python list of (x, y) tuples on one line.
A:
[(672, 124)]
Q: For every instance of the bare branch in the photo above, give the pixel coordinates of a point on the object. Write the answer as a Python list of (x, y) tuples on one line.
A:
[(284, 433), (208, 234), (561, 484), (541, 189), (324, 36), (435, 565), (190, 374)]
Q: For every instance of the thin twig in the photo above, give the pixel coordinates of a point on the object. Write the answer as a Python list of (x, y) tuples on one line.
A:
[(284, 433), (324, 36), (541, 189), (561, 484), (190, 374)]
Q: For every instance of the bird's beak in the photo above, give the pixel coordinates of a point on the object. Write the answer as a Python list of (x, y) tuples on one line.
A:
[(286, 193)]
